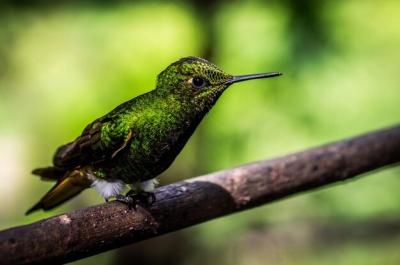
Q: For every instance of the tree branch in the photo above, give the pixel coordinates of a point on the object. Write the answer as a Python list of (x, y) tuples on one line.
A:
[(99, 228)]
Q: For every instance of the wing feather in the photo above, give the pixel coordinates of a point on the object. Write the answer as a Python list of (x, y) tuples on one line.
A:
[(88, 147)]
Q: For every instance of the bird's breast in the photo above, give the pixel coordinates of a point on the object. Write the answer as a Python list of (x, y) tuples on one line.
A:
[(156, 144)]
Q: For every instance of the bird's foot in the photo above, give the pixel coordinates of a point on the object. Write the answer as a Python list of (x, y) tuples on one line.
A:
[(145, 197), (133, 199)]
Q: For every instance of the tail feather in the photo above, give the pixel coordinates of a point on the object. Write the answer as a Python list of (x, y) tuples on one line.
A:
[(68, 185), (49, 173)]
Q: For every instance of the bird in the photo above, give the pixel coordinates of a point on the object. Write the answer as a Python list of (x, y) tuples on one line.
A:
[(139, 139)]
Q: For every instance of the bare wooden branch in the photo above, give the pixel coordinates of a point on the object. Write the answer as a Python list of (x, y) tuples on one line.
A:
[(96, 229)]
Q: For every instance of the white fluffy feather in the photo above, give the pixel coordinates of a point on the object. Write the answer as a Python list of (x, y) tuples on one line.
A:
[(148, 185), (108, 189)]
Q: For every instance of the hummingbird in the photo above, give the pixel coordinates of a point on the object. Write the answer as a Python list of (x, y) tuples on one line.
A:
[(138, 140)]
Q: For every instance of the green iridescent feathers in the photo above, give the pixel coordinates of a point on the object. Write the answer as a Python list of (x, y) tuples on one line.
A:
[(176, 76), (152, 117)]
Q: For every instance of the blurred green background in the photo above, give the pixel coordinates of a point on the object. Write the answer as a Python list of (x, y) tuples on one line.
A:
[(63, 65)]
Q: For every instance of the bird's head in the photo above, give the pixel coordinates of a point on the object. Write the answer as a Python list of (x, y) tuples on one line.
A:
[(197, 78)]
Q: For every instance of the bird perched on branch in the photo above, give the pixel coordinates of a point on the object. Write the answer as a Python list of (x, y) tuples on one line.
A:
[(139, 139)]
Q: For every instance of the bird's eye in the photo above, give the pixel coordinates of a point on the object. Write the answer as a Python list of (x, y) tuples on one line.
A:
[(198, 82)]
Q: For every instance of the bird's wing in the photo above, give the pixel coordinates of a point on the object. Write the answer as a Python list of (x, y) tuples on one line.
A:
[(89, 147)]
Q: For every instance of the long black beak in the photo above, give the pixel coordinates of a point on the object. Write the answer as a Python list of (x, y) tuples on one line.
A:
[(240, 78)]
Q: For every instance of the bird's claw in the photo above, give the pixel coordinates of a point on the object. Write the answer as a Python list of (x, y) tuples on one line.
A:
[(133, 199), (128, 200)]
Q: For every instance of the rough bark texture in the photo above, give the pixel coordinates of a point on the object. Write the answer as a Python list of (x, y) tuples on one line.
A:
[(96, 229)]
